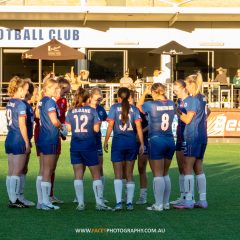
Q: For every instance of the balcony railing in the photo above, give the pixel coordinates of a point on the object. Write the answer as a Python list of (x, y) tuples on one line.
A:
[(217, 96)]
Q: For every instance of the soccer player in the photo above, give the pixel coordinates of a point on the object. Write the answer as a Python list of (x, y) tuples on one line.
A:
[(142, 159), (62, 91), (160, 113), (142, 163), (29, 122), (48, 141), (95, 100), (17, 144), (194, 86), (180, 90), (195, 135), (125, 121), (83, 122)]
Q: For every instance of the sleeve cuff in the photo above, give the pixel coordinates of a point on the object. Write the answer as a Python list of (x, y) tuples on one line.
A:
[(110, 120)]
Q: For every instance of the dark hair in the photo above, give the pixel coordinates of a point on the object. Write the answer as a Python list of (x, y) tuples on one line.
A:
[(30, 87), (81, 96), (62, 82), (180, 82), (124, 94), (132, 93)]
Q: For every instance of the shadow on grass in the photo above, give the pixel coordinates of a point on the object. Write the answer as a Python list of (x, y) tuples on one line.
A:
[(219, 221)]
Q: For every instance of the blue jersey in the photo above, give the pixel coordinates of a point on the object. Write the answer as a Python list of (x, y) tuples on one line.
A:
[(15, 108), (82, 121), (102, 114), (124, 136), (197, 106), (49, 134), (160, 117), (202, 119), (181, 124), (29, 119)]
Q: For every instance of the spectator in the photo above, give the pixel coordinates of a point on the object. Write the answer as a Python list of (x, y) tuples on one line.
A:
[(236, 82), (221, 76), (236, 79), (126, 81), (158, 77)]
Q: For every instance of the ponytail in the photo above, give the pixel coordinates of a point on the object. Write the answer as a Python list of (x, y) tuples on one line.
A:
[(199, 82), (125, 111), (194, 83), (124, 94), (80, 97)]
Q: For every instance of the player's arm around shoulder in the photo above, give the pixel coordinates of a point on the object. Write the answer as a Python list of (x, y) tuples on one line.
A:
[(191, 111), (142, 98)]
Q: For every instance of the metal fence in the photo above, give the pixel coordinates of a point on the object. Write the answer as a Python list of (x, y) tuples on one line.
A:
[(217, 96)]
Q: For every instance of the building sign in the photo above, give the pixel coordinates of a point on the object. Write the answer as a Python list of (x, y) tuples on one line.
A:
[(38, 34), (135, 37)]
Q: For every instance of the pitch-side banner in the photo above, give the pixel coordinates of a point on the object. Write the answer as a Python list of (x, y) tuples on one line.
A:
[(220, 124), (224, 124)]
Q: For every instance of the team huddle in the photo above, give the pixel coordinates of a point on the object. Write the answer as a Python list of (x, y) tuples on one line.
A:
[(141, 131)]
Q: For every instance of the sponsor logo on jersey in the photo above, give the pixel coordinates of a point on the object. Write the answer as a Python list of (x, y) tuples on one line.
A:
[(181, 104)]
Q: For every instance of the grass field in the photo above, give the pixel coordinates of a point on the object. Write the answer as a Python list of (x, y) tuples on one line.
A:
[(220, 221)]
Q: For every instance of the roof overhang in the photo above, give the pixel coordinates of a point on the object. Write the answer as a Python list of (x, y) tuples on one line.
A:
[(78, 13)]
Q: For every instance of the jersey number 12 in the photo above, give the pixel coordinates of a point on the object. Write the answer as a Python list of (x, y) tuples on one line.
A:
[(81, 123)]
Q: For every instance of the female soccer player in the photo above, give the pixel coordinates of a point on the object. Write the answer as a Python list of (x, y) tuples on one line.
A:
[(29, 121), (195, 135), (124, 119), (48, 141), (160, 113), (194, 86), (95, 100), (142, 159), (82, 120), (64, 89), (180, 90), (17, 144)]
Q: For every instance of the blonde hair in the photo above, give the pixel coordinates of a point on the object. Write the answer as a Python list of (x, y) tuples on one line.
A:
[(14, 84), (194, 83), (48, 83), (96, 90), (158, 89)]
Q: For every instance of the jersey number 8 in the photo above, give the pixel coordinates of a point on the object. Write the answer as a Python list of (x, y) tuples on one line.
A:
[(165, 122), (80, 127)]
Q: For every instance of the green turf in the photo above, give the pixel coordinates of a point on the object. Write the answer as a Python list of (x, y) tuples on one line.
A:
[(220, 221)]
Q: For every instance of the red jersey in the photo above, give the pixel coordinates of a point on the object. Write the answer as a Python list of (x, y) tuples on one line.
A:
[(37, 127), (62, 105)]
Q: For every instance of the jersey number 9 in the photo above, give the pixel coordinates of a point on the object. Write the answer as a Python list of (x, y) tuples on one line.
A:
[(81, 123), (9, 117)]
